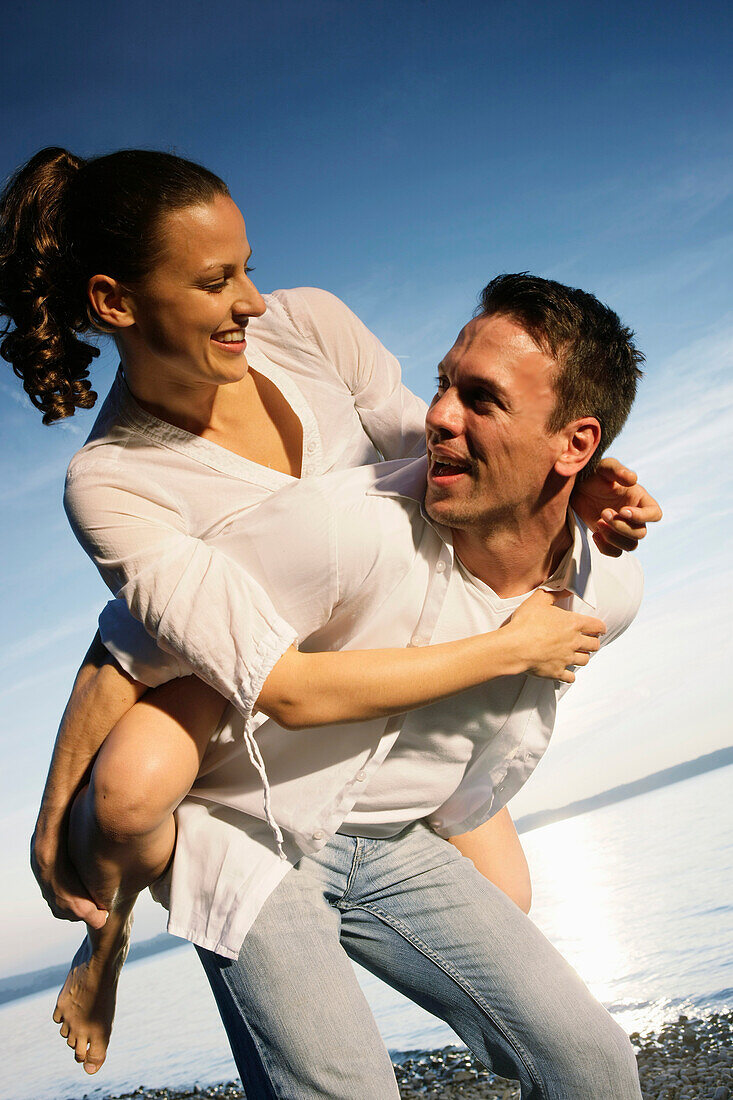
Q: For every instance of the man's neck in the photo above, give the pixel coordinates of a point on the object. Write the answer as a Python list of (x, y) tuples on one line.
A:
[(518, 555)]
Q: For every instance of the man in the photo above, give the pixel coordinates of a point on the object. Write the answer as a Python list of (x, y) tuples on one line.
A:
[(533, 388)]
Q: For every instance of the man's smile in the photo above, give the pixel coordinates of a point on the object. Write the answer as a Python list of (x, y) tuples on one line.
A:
[(445, 467)]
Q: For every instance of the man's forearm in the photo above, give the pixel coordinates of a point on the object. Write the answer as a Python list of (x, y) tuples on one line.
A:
[(101, 695)]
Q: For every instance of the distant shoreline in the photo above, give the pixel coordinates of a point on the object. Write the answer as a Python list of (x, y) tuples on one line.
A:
[(721, 758), (25, 985)]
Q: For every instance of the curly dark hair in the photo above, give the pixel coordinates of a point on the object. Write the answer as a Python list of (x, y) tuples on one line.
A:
[(598, 363), (62, 220)]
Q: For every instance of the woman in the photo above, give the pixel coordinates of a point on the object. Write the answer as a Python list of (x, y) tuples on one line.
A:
[(152, 249)]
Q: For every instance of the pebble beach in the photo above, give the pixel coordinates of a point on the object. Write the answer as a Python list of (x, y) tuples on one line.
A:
[(689, 1059)]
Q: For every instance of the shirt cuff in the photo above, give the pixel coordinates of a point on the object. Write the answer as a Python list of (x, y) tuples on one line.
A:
[(127, 640), (276, 641)]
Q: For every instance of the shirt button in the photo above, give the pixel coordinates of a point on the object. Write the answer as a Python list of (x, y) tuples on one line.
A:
[(361, 776), (440, 567), (310, 448), (415, 639), (319, 834)]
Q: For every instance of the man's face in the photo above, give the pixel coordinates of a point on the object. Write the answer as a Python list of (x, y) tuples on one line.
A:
[(489, 450)]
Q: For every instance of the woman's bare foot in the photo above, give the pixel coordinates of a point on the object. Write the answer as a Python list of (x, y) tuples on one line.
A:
[(86, 1004)]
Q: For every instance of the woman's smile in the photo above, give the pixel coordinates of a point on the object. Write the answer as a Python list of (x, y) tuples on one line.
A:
[(232, 341)]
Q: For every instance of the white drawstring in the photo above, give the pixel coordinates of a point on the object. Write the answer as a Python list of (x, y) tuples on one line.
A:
[(255, 756)]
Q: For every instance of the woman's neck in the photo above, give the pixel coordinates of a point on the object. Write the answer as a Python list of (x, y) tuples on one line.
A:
[(249, 417), (194, 406)]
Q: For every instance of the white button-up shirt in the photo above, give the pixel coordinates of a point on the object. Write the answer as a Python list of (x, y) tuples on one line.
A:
[(142, 495), (351, 562)]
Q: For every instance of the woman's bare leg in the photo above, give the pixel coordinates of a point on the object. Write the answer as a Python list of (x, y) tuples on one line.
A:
[(121, 838), (496, 851)]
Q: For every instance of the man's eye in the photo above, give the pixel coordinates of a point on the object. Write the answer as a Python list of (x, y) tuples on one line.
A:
[(441, 384), (483, 397)]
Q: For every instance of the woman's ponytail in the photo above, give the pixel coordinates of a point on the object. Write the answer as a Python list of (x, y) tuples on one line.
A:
[(41, 287), (63, 220)]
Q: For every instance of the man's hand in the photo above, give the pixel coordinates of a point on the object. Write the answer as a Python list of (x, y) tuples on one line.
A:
[(60, 885), (615, 507)]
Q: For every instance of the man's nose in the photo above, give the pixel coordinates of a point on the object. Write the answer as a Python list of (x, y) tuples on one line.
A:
[(445, 415)]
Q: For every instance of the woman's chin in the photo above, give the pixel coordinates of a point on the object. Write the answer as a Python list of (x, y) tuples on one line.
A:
[(233, 370)]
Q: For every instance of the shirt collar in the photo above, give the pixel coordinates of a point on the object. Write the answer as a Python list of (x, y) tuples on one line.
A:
[(574, 573)]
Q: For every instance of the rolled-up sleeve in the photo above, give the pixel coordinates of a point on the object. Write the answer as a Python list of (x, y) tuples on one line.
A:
[(135, 650), (392, 416), (194, 600)]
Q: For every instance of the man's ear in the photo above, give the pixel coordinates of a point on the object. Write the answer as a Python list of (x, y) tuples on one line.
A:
[(581, 439), (110, 301)]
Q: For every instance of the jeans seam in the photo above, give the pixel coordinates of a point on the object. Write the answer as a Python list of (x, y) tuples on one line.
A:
[(405, 931), (265, 1064)]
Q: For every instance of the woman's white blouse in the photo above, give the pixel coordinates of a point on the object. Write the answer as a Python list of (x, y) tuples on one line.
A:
[(142, 495)]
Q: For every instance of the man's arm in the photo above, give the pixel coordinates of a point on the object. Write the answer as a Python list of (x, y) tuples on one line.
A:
[(101, 695)]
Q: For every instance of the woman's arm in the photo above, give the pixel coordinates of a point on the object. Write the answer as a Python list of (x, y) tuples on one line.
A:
[(391, 415), (615, 507), (318, 689), (496, 851), (199, 602)]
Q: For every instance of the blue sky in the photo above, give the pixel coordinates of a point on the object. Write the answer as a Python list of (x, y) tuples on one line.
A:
[(400, 154)]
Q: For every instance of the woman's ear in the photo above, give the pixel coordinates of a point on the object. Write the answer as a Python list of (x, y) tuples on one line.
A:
[(110, 301)]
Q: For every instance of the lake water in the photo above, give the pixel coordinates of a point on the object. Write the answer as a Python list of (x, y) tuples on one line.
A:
[(638, 897)]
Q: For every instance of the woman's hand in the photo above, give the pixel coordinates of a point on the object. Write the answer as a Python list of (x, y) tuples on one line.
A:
[(615, 507), (551, 639)]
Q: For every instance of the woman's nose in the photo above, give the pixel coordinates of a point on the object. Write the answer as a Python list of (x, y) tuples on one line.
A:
[(249, 301)]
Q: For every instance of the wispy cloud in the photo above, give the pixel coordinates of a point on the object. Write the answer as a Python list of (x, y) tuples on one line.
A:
[(31, 481), (33, 644)]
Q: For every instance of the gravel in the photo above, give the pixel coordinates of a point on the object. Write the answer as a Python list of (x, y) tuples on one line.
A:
[(690, 1059)]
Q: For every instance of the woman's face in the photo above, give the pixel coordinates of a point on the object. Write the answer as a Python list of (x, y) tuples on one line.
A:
[(191, 312)]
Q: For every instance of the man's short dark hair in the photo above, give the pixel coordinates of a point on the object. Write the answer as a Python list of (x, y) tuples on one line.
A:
[(597, 360)]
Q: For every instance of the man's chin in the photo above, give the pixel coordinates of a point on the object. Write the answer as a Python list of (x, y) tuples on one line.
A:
[(442, 510)]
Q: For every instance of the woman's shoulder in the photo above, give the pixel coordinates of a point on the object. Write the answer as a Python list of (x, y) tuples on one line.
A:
[(307, 313), (116, 456)]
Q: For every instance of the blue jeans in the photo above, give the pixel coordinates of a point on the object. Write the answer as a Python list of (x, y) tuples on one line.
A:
[(417, 914)]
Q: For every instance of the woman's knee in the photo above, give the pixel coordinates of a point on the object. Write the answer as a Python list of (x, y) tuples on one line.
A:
[(126, 801), (133, 790), (145, 767)]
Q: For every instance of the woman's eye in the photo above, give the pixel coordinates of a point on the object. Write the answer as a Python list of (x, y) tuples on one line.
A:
[(247, 270), (215, 288)]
